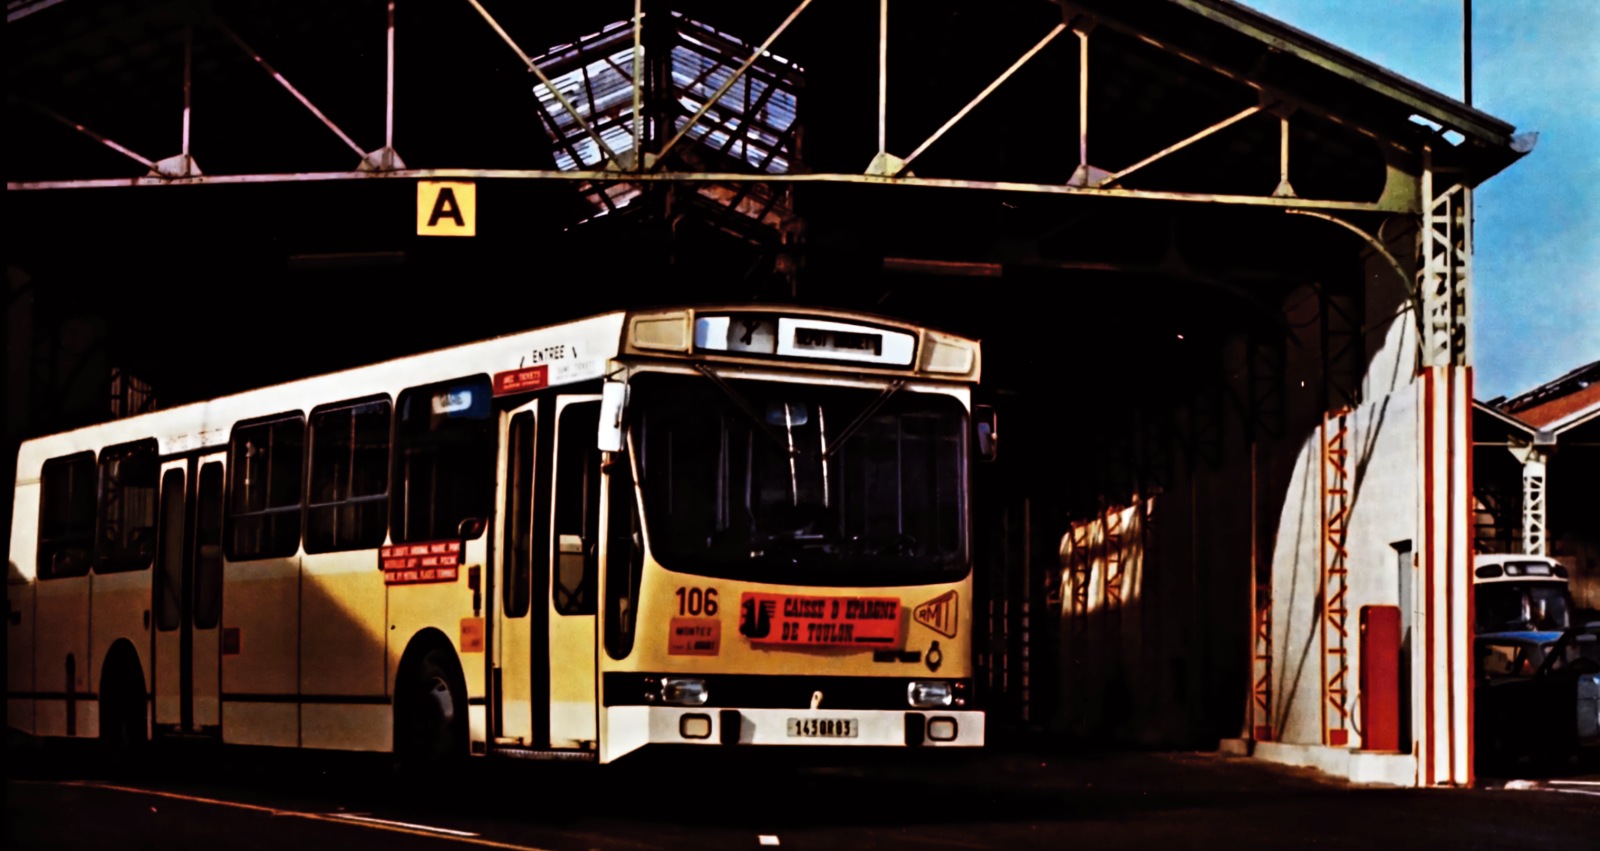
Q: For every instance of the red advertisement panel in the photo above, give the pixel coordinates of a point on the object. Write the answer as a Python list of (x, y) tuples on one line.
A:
[(521, 380), (796, 619)]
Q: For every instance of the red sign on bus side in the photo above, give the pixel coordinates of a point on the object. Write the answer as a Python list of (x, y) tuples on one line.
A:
[(412, 564), (523, 380), (694, 637)]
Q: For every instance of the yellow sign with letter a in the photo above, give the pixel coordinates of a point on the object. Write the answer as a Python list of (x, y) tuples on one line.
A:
[(447, 208)]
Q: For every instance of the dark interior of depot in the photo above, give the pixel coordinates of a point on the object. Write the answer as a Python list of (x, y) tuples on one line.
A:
[(1135, 345)]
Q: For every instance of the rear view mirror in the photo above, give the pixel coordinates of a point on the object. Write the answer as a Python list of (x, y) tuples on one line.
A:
[(985, 429), (613, 409)]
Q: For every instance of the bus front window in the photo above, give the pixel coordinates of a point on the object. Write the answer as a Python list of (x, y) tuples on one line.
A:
[(1510, 606), (801, 484)]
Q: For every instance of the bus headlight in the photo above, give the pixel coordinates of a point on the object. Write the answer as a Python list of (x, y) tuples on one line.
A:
[(929, 694), (684, 691)]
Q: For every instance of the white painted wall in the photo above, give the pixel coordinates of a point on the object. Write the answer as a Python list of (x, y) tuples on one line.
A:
[(1385, 483)]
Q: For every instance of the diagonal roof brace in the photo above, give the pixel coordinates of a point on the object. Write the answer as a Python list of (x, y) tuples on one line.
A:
[(1488, 144)]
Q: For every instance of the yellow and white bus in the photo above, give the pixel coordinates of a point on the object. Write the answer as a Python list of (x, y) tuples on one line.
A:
[(740, 526)]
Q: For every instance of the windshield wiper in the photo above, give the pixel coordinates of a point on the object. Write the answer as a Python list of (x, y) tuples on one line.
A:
[(744, 405), (861, 418)]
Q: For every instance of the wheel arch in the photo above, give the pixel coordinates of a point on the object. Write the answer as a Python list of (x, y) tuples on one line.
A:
[(424, 642), (123, 685), (122, 656)]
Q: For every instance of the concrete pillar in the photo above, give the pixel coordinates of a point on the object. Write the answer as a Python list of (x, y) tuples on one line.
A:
[(1443, 655)]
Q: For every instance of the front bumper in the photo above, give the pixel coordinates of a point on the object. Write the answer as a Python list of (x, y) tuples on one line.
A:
[(628, 728)]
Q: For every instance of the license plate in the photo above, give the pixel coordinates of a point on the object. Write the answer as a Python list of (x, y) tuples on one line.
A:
[(822, 728)]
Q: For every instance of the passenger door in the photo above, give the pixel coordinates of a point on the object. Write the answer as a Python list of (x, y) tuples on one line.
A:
[(187, 597), (520, 637), (574, 547)]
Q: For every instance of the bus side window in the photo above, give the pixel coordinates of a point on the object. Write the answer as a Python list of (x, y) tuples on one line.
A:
[(576, 525), (169, 567), (347, 502), (519, 539), (443, 459), (266, 460), (66, 516), (125, 526), (624, 557)]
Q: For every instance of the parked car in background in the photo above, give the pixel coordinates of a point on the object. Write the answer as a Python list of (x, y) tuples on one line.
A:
[(1538, 694)]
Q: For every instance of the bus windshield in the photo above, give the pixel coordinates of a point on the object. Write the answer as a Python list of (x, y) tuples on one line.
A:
[(1515, 606), (801, 484)]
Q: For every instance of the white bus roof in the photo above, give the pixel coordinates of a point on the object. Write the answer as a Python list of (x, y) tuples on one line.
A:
[(574, 351), (1516, 567)]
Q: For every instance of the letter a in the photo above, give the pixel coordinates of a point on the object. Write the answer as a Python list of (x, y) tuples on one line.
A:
[(445, 206)]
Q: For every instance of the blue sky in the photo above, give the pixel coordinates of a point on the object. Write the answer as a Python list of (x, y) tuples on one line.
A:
[(1536, 288)]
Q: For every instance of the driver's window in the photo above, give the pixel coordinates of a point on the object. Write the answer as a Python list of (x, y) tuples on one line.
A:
[(1583, 653)]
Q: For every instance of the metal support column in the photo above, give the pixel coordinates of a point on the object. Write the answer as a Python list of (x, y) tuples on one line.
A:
[(1533, 515), (1335, 570), (1259, 718), (1113, 559)]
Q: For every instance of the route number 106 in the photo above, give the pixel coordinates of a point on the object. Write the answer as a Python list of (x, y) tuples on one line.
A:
[(696, 601)]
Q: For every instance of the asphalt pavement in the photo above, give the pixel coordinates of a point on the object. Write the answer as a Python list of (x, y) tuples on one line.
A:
[(985, 800)]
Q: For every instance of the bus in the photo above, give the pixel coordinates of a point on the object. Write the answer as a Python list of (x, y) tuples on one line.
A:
[(1521, 593), (716, 526)]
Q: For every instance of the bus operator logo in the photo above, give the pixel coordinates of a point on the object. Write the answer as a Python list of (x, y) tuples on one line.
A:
[(755, 617)]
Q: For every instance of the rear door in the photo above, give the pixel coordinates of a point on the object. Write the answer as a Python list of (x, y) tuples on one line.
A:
[(187, 597)]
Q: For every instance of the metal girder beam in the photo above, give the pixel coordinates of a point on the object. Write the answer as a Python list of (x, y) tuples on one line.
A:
[(1243, 79), (1178, 146), (104, 140), (987, 90), (1413, 298), (1085, 182), (702, 177), (289, 87), (1423, 102)]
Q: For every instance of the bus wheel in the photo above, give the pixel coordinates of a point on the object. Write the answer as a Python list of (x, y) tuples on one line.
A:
[(430, 718)]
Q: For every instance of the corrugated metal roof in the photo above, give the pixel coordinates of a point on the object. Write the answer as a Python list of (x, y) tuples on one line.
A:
[(749, 125)]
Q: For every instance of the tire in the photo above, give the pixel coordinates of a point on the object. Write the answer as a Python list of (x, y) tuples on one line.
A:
[(431, 713)]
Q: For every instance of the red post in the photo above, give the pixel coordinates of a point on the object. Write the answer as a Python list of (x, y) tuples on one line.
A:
[(1380, 678)]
